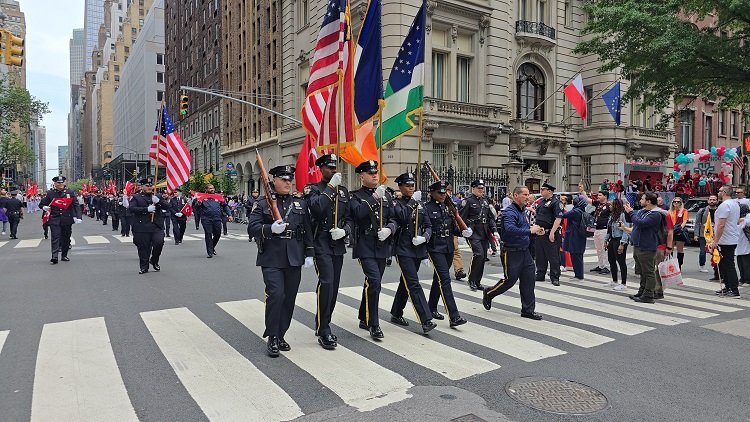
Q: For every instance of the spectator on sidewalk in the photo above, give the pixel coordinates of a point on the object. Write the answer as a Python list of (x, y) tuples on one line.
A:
[(575, 240), (617, 243), (743, 246), (601, 219), (701, 219), (726, 238), (678, 217)]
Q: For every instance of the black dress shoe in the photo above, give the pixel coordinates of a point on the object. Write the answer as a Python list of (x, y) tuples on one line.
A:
[(213, 253), (333, 336), (535, 316), (376, 332), (284, 346), (143, 271), (643, 299), (53, 261), (555, 282), (65, 259), (437, 315), (156, 267), (46, 237), (363, 326), (327, 342), (399, 321), (539, 279), (658, 296), (486, 301), (457, 321), (273, 347), (473, 287), (428, 326), (460, 275), (209, 256)]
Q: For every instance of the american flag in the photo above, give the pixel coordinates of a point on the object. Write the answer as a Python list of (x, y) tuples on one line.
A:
[(167, 147), (737, 160), (332, 53)]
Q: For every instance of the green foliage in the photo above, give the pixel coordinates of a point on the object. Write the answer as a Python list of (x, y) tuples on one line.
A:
[(78, 184), (226, 184), (654, 45), (196, 182), (13, 151), (17, 105)]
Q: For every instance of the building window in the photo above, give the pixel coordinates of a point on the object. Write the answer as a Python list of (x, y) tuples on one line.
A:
[(530, 92), (586, 170), (462, 83), (159, 95), (159, 58), (733, 117), (722, 123), (465, 157), (687, 118), (218, 157), (439, 79), (589, 91), (302, 13), (708, 132), (523, 10), (542, 14), (211, 156), (205, 158), (439, 155), (568, 13), (160, 77)]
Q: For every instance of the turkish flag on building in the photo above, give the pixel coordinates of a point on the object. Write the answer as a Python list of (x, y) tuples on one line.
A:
[(187, 210), (577, 96), (306, 171)]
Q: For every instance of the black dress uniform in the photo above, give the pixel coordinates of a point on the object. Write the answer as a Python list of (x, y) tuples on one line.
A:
[(178, 222), (14, 212), (125, 215), (545, 251), (211, 214), (167, 214), (114, 212), (517, 262), (61, 220), (368, 248), (101, 209), (409, 256), (281, 257), (329, 253), (440, 249), (475, 211), (148, 235)]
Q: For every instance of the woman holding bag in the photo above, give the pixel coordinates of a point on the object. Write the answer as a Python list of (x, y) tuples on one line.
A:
[(616, 241), (678, 216)]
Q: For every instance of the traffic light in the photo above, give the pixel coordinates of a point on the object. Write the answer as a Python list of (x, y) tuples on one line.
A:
[(183, 105), (12, 50)]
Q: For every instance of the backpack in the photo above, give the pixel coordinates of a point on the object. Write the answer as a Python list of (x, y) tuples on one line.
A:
[(587, 222), (661, 237)]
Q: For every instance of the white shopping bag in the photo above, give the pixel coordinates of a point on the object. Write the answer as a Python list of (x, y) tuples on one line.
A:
[(669, 271)]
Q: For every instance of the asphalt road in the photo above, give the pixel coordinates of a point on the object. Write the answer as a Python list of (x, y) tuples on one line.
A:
[(91, 339)]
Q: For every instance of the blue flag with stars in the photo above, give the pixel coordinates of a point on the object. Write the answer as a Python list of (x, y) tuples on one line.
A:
[(612, 101)]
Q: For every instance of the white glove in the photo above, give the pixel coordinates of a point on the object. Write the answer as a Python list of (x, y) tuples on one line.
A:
[(278, 227), (379, 193), (45, 208), (427, 263), (125, 202), (178, 214), (154, 199), (335, 180), (151, 208), (468, 232), (308, 262), (337, 233), (497, 236), (384, 233), (417, 196), (77, 221), (418, 240)]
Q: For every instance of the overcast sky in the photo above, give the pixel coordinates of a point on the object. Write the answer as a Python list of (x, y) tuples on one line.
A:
[(49, 26)]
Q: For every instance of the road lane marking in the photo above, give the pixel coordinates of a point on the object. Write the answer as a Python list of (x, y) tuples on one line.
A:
[(76, 377), (224, 383), (95, 240), (28, 243), (3, 336)]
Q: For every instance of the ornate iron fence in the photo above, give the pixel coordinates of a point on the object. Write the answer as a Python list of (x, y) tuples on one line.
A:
[(495, 179)]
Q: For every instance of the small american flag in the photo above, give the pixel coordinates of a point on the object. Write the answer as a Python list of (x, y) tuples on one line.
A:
[(737, 160), (167, 147)]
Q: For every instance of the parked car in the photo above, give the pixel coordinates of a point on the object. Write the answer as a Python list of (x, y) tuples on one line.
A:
[(693, 205)]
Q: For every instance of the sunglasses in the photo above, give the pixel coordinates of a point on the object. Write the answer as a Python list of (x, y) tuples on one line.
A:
[(676, 202)]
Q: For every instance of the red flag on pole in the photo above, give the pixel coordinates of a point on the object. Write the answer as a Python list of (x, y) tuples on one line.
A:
[(187, 210), (306, 171), (129, 188), (45, 217), (576, 95)]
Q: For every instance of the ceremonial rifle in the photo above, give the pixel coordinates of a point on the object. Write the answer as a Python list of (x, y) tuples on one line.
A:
[(449, 202), (275, 214)]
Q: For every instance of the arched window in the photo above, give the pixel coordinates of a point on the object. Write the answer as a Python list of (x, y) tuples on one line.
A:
[(530, 92), (211, 156), (205, 158), (218, 155)]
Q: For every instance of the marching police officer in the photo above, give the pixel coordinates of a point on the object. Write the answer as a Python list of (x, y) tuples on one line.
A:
[(475, 211), (517, 260), (330, 228), (284, 247), (179, 220), (547, 245), (14, 211), (167, 214), (61, 218), (211, 214), (148, 224), (440, 248), (125, 216), (410, 249), (374, 222), (114, 211)]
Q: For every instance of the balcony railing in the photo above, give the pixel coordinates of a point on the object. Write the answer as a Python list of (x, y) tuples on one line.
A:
[(536, 28), (461, 109)]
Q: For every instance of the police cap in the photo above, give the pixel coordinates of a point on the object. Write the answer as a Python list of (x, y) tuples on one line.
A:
[(59, 178), (328, 160), (548, 186), (439, 186), (477, 182), (405, 178), (283, 172), (369, 166), (146, 181)]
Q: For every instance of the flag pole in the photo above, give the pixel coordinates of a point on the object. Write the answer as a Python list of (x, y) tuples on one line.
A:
[(380, 158), (552, 95), (590, 100), (418, 170), (158, 149)]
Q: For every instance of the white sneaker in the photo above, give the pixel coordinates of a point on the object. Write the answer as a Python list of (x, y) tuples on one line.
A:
[(620, 287), (611, 284), (2, 233), (562, 268), (703, 269)]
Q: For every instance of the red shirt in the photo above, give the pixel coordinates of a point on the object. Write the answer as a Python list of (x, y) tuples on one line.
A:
[(670, 227)]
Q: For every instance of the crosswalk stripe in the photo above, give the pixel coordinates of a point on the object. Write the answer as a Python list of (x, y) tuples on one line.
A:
[(452, 363), (2, 243), (516, 346), (701, 284), (619, 298), (636, 314), (191, 237), (72, 240), (342, 371), (3, 336), (76, 376), (95, 240), (28, 243), (672, 296), (572, 335), (590, 258), (225, 384)]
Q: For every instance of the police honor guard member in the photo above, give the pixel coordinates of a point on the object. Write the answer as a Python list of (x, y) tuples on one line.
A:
[(148, 224), (167, 214), (211, 214), (125, 215), (517, 260), (410, 249), (329, 242), (547, 246), (61, 220), (284, 247), (440, 248), (179, 220), (475, 211), (371, 239)]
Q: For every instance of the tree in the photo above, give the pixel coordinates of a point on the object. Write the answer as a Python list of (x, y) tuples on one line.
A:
[(196, 182), (656, 45), (78, 184), (13, 150), (17, 108), (226, 184)]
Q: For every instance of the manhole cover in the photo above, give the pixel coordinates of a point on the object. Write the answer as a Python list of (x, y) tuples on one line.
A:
[(556, 395)]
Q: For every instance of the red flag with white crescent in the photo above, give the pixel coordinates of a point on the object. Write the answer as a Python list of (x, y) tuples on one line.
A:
[(187, 210), (306, 171)]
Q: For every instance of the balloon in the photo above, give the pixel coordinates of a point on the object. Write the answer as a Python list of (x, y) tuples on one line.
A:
[(676, 174), (729, 154), (702, 183), (721, 150), (676, 166), (713, 150)]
